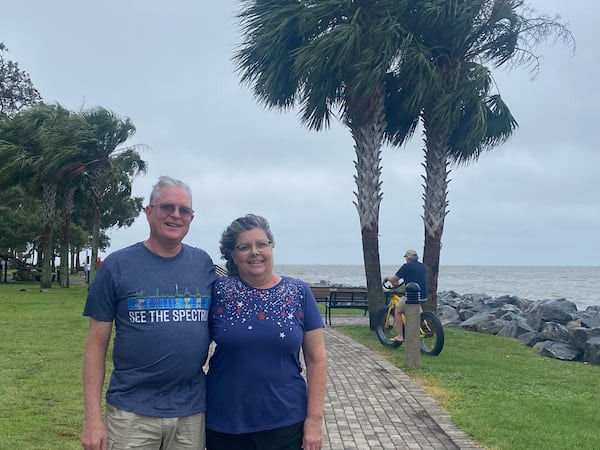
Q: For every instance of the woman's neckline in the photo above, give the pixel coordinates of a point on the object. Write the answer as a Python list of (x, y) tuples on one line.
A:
[(273, 281)]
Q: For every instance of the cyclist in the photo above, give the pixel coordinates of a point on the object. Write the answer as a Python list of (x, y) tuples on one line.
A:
[(412, 271)]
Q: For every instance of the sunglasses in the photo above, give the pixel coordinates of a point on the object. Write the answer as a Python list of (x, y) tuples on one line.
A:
[(169, 208)]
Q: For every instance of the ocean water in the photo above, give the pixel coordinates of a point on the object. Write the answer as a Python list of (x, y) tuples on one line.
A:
[(581, 285)]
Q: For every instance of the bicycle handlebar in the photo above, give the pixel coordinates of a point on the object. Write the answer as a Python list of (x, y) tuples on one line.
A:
[(388, 284)]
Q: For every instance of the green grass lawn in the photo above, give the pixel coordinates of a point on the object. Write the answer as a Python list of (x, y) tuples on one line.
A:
[(42, 335), (495, 389), (503, 394)]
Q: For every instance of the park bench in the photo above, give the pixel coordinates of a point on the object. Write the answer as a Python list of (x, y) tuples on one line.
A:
[(320, 293), (342, 298), (346, 298), (30, 274)]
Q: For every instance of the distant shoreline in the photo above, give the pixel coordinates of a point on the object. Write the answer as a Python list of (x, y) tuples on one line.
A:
[(579, 284)]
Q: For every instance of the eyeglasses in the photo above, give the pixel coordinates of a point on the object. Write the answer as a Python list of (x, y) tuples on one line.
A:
[(169, 208), (261, 246)]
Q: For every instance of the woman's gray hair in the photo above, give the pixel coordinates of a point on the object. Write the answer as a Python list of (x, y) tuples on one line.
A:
[(163, 182), (229, 237)]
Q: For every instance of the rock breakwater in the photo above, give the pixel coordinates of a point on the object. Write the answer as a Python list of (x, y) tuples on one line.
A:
[(552, 327)]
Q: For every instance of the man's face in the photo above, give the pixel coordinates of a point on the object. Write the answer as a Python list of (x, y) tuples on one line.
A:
[(168, 223)]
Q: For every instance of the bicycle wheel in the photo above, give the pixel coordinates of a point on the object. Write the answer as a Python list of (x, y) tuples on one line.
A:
[(432, 339), (386, 328)]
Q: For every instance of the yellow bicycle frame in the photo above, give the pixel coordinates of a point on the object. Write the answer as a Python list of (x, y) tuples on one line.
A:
[(392, 306)]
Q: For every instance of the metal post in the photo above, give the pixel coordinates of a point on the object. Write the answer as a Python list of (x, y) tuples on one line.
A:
[(412, 350)]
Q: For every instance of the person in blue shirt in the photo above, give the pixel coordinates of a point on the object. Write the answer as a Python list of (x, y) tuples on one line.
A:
[(257, 396), (157, 293), (412, 271)]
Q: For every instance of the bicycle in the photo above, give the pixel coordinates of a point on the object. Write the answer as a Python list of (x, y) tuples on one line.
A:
[(431, 330)]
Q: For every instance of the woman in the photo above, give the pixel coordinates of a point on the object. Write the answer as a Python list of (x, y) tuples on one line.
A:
[(256, 395)]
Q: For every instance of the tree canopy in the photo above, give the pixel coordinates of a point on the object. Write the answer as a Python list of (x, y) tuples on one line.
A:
[(383, 67), (331, 59), (16, 89), (51, 154), (447, 71)]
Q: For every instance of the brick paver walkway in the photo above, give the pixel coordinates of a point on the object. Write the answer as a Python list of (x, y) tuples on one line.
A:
[(371, 404)]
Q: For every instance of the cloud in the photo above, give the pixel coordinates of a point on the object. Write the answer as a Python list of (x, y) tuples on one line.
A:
[(532, 201)]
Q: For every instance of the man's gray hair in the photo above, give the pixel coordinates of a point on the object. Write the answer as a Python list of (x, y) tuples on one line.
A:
[(165, 181)]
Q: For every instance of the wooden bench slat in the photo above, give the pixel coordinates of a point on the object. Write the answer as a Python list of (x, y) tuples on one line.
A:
[(320, 293), (346, 299)]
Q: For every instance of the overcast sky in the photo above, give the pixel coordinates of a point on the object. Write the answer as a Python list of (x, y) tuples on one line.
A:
[(167, 66)]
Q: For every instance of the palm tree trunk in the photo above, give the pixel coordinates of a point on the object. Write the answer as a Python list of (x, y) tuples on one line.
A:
[(100, 180), (370, 243), (65, 223), (436, 204), (95, 241), (368, 140), (49, 205)]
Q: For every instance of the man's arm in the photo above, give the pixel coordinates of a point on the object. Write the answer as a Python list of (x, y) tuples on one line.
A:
[(394, 279), (93, 435), (315, 358)]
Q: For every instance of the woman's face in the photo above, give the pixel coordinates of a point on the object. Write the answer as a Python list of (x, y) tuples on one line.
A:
[(253, 255)]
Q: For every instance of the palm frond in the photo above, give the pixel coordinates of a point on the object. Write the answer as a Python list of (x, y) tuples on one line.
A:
[(272, 32), (326, 56), (483, 125), (401, 120)]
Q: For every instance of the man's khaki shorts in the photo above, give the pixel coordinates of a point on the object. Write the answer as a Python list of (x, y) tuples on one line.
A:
[(129, 430), (401, 306)]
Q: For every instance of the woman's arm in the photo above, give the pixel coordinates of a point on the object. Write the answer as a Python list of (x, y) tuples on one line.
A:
[(315, 358)]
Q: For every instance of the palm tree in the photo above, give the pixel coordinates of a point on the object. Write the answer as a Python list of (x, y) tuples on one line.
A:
[(115, 166), (74, 130), (71, 183), (333, 58), (451, 40), (42, 148)]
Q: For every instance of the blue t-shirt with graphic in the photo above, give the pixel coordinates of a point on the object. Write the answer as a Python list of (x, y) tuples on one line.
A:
[(160, 309), (255, 380)]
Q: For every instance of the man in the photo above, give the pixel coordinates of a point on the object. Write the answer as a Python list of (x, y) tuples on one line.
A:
[(157, 293), (412, 271)]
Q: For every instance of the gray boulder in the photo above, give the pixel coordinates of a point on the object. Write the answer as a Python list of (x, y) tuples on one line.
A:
[(448, 315), (554, 327), (560, 311), (579, 336), (557, 350), (555, 332), (491, 326), (509, 308), (591, 350), (531, 338), (516, 327), (590, 321), (477, 321)]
